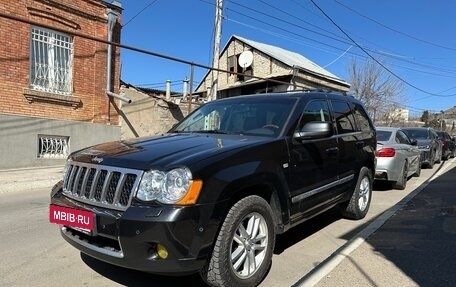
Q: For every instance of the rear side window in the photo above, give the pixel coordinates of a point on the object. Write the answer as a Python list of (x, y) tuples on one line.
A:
[(362, 119), (402, 138), (344, 118)]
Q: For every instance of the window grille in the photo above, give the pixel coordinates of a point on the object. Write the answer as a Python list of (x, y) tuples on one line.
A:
[(51, 61), (53, 146)]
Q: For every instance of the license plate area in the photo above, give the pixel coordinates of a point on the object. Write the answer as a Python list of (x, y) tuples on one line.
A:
[(79, 220)]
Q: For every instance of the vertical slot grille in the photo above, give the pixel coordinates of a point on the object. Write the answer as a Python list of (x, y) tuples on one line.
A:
[(101, 185)]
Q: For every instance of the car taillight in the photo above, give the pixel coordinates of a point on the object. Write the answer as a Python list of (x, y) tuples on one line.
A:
[(385, 152)]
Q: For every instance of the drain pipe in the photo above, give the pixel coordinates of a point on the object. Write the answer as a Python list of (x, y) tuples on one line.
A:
[(112, 17)]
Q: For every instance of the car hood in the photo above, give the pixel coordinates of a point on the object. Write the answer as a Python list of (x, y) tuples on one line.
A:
[(163, 151)]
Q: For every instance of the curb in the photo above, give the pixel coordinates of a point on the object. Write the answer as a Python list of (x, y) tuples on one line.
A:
[(325, 267)]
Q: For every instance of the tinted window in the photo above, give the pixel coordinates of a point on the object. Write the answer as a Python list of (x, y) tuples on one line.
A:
[(344, 118), (402, 138), (383, 136), (362, 119), (315, 111)]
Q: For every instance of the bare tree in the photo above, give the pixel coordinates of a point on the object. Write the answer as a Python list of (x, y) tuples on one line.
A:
[(380, 91)]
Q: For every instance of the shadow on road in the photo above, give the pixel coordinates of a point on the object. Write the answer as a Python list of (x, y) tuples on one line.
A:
[(135, 278), (420, 240)]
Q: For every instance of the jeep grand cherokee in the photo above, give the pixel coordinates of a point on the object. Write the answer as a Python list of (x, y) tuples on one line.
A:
[(210, 195)]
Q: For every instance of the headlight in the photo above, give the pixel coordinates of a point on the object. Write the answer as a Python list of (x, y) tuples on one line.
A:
[(173, 187), (424, 147)]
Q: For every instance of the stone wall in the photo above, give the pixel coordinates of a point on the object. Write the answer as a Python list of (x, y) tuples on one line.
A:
[(150, 114)]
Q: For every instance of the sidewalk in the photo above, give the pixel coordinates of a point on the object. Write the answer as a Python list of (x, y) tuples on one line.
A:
[(414, 246), (30, 178)]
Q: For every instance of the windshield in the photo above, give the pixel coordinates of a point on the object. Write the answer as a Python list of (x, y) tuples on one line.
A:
[(417, 133), (239, 116)]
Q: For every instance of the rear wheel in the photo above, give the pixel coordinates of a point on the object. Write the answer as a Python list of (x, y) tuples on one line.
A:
[(359, 203), (242, 254), (402, 182), (418, 170)]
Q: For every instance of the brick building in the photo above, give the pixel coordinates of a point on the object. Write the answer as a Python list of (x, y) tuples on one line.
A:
[(53, 83), (268, 62)]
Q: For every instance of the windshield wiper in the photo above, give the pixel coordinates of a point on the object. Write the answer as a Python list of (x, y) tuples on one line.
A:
[(212, 132)]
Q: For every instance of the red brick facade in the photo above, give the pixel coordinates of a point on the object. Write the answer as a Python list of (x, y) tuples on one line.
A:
[(88, 101)]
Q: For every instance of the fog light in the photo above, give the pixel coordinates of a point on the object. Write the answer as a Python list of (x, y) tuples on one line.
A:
[(162, 252)]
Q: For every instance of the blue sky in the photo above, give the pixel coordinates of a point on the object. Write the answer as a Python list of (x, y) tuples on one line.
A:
[(414, 39)]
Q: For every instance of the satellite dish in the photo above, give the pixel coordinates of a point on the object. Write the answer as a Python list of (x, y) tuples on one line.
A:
[(245, 59)]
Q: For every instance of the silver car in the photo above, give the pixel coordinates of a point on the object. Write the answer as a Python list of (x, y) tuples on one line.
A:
[(397, 157)]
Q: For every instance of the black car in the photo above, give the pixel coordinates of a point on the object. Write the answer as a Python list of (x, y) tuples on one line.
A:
[(211, 195), (448, 145), (429, 144)]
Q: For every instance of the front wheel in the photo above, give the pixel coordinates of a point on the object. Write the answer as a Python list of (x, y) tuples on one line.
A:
[(242, 253), (359, 203), (439, 157)]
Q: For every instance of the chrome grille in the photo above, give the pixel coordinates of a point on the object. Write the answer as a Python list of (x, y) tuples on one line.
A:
[(99, 185)]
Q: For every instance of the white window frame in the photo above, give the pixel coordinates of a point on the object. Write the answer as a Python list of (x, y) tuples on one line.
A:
[(51, 61), (52, 146)]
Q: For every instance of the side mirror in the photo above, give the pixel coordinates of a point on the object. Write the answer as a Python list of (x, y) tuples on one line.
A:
[(414, 142), (315, 130)]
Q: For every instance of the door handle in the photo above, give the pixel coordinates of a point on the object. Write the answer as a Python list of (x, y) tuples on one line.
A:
[(332, 150)]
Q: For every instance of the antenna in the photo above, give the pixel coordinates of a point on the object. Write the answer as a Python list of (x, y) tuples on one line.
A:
[(245, 59)]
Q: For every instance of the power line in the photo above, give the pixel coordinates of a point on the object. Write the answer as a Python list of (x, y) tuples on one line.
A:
[(374, 59), (385, 54), (394, 30), (137, 14), (389, 55)]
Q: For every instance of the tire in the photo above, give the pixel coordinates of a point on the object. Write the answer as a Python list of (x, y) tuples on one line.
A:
[(247, 233), (418, 171), (439, 158), (402, 182), (431, 161), (360, 200)]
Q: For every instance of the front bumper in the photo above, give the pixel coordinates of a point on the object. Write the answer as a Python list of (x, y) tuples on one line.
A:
[(426, 156), (129, 239)]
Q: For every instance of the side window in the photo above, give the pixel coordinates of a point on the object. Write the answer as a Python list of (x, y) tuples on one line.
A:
[(344, 118), (362, 119), (315, 111), (402, 138)]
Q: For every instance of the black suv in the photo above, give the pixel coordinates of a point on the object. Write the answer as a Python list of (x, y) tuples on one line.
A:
[(211, 194)]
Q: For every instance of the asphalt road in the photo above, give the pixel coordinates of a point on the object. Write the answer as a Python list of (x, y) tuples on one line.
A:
[(34, 254)]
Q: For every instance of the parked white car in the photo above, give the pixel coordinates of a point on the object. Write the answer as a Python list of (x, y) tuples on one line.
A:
[(398, 157)]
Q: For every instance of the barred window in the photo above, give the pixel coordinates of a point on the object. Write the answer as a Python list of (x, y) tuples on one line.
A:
[(50, 146), (51, 61)]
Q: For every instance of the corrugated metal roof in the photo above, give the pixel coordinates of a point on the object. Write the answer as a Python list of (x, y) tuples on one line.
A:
[(291, 59)]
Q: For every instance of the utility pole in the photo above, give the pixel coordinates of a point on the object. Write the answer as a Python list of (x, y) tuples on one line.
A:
[(217, 37)]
